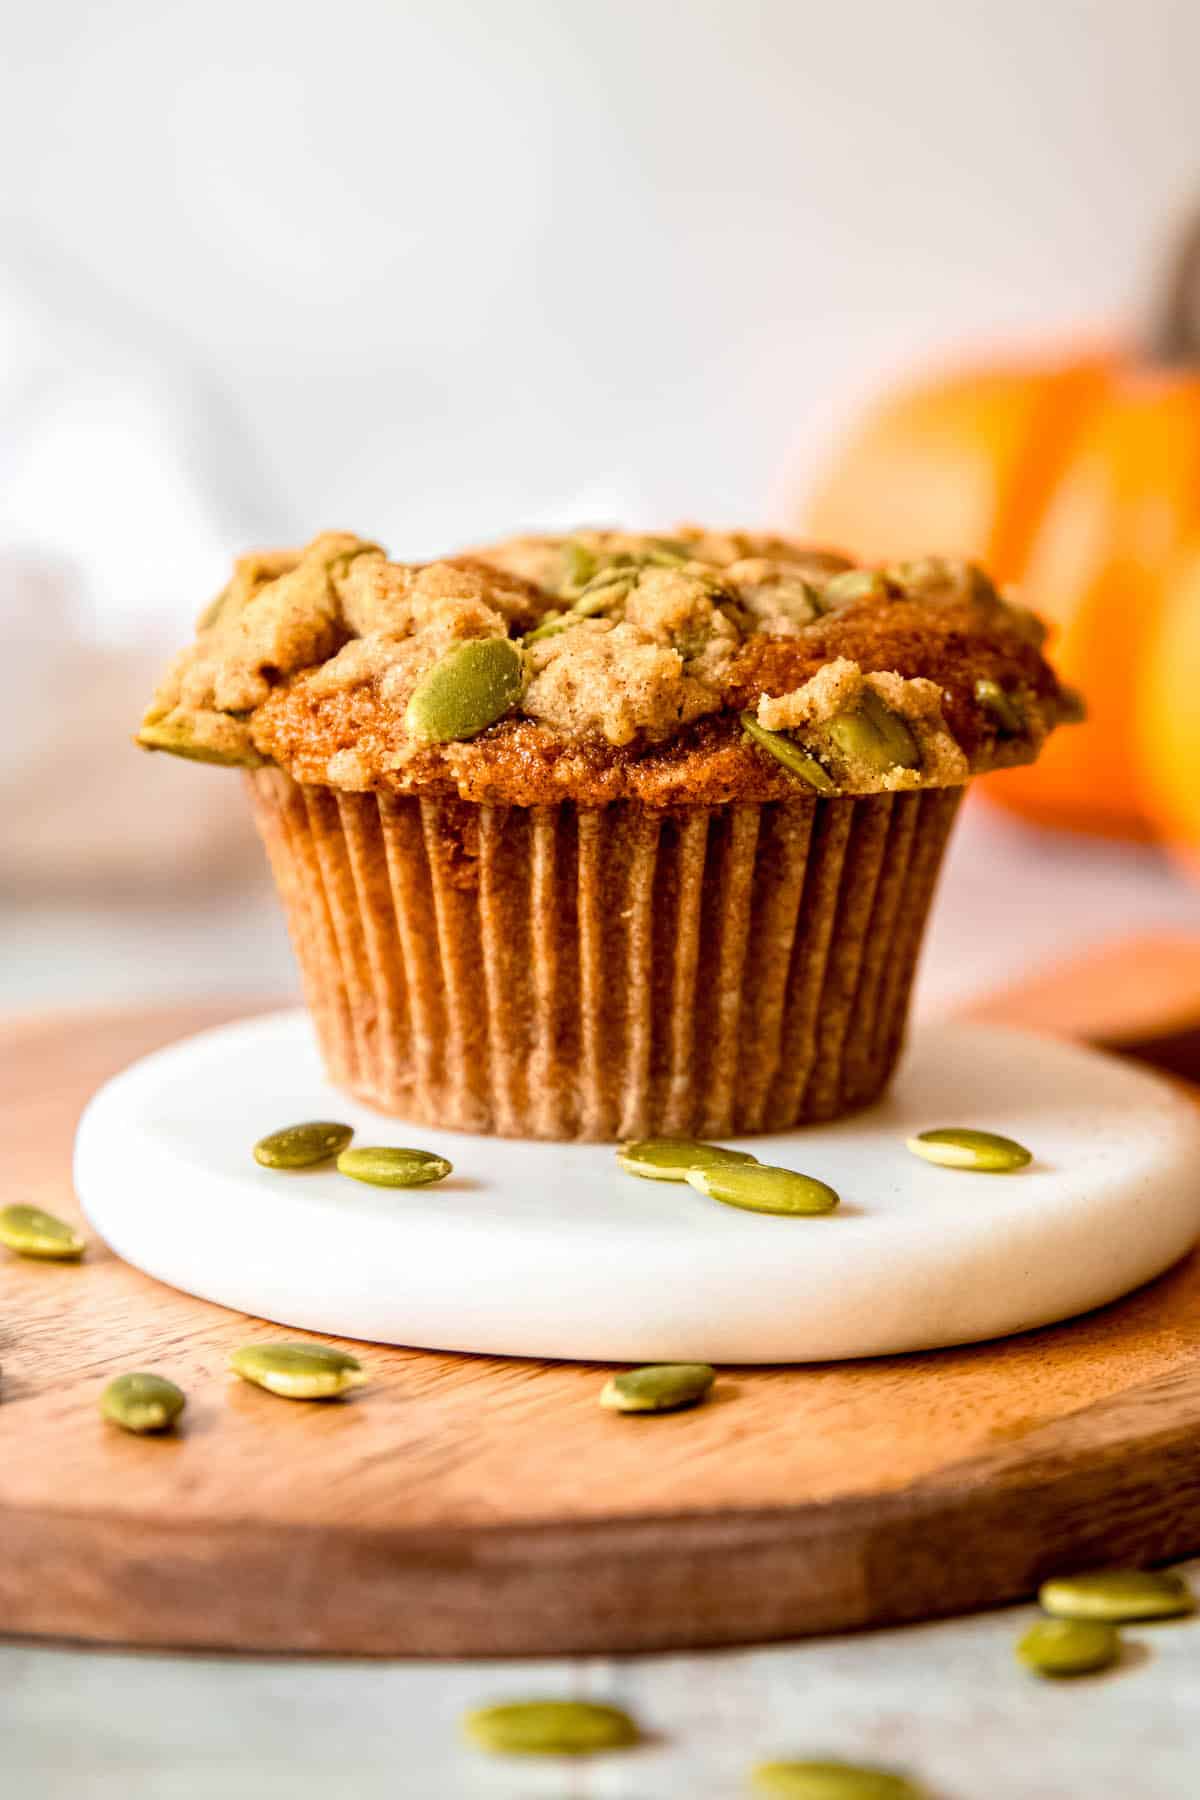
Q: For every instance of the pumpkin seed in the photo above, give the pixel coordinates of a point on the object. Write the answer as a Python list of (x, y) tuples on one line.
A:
[(872, 733), (669, 1159), (302, 1146), (384, 1167), (466, 691), (787, 751), (31, 1232), (765, 1189), (958, 1147), (587, 606), (830, 1781), (177, 739), (298, 1371), (1069, 1646), (1118, 1595), (659, 1387), (142, 1402), (1000, 707), (549, 1728), (852, 586)]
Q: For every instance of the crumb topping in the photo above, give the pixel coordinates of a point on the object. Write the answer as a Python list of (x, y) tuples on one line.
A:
[(638, 655)]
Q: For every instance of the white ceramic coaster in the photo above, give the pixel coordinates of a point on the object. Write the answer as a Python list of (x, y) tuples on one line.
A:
[(551, 1251)]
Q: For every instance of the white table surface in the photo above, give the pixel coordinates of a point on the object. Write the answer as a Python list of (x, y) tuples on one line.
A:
[(946, 1700)]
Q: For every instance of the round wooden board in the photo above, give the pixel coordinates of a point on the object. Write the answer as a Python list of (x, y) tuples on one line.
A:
[(472, 1506)]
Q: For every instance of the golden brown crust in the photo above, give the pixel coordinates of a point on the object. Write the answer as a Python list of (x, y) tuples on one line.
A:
[(640, 656)]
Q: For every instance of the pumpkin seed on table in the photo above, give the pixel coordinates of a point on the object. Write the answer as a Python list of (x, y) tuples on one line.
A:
[(830, 1781), (658, 1387), (766, 1190), (467, 690), (1117, 1595), (787, 751), (669, 1159), (303, 1146), (142, 1402), (959, 1147), (382, 1166), (550, 1728), (31, 1232), (298, 1371), (873, 734), (1064, 1647)]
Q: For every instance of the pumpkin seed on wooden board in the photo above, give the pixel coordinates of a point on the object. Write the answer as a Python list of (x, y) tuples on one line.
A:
[(1064, 1647), (669, 1159), (467, 690), (142, 1402), (303, 1146), (550, 1728), (830, 1781), (31, 1232), (298, 1371), (382, 1166), (765, 1189), (960, 1147), (657, 1388), (1118, 1595), (790, 754)]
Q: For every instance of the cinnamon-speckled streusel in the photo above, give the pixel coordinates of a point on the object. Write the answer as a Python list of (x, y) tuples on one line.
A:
[(640, 654)]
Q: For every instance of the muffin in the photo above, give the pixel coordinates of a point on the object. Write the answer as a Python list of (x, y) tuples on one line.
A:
[(606, 835)]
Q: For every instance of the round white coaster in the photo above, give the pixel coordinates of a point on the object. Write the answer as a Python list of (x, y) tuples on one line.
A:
[(549, 1250)]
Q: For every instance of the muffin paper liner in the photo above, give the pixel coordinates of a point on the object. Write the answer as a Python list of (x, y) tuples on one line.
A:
[(599, 973)]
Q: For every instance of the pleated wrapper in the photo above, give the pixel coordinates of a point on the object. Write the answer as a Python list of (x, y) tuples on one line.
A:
[(603, 973)]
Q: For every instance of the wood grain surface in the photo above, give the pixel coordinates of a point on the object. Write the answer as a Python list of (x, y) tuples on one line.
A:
[(475, 1506)]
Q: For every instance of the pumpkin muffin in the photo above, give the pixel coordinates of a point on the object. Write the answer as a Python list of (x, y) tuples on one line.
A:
[(609, 834)]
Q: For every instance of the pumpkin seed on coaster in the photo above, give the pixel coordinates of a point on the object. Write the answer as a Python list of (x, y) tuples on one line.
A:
[(669, 1159), (657, 1388), (830, 1781), (142, 1402), (381, 1166), (29, 1231), (303, 1146), (1065, 1647), (298, 1371), (959, 1147), (765, 1189), (550, 1728), (1120, 1596)]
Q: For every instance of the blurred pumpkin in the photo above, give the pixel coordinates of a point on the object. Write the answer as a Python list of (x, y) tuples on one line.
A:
[(1078, 479)]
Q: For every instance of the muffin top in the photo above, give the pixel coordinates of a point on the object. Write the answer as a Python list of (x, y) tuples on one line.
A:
[(696, 667)]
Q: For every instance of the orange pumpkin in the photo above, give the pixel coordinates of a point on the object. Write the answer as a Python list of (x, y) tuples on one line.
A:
[(1078, 479)]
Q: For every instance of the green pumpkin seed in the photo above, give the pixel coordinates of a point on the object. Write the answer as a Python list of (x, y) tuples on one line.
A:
[(957, 1147), (31, 1232), (384, 1167), (302, 1146), (765, 1189), (1069, 1646), (1117, 1595), (298, 1371), (830, 1781), (549, 1728), (873, 734), (669, 1159), (142, 1402), (587, 606), (177, 739), (853, 585), (787, 751), (579, 565), (469, 689), (1000, 707), (659, 1387)]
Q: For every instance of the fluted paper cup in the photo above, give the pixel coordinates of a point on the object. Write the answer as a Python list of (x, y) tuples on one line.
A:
[(572, 972)]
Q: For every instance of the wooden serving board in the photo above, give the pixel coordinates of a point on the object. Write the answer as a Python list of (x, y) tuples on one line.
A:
[(469, 1505)]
